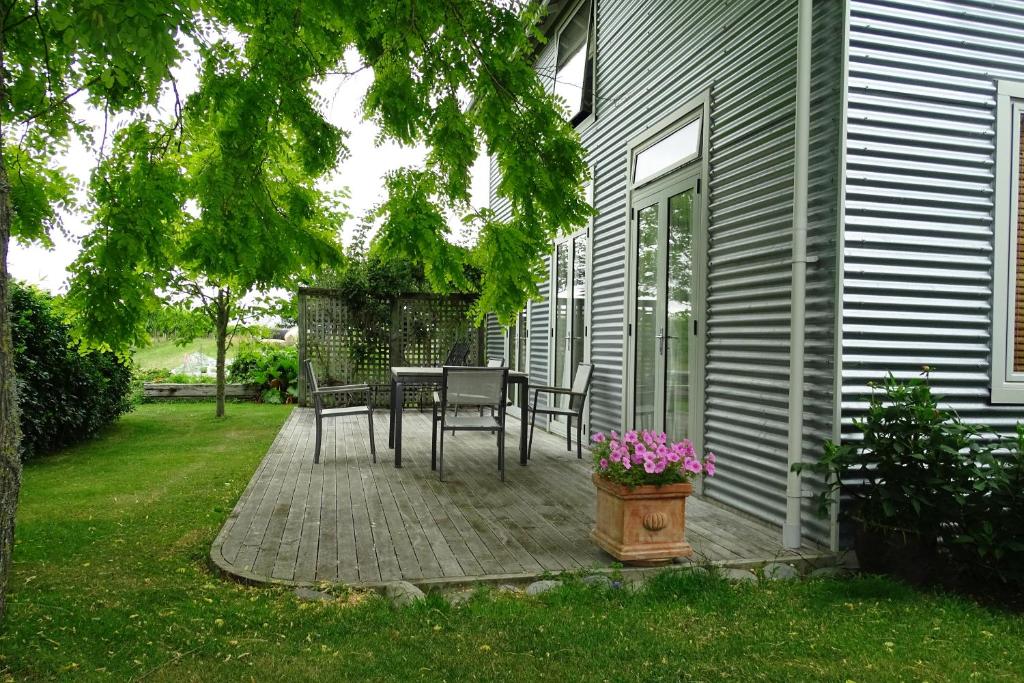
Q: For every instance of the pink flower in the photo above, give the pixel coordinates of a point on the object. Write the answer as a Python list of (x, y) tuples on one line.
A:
[(693, 466), (630, 437), (614, 435), (709, 467), (673, 456), (661, 438), (598, 438), (649, 466), (613, 445), (662, 451), (603, 464), (616, 456), (626, 463), (659, 466), (640, 448), (711, 458)]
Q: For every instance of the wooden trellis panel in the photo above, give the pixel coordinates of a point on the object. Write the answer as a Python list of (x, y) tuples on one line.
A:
[(349, 345)]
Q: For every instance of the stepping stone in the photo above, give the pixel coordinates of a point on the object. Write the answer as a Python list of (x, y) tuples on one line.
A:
[(310, 595), (779, 571), (402, 593), (538, 587), (830, 573), (741, 575)]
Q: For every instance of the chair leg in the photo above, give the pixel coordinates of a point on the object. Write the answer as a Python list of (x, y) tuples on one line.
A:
[(568, 433), (533, 423), (373, 446), (319, 432), (433, 439), (579, 437), (440, 455), (501, 453)]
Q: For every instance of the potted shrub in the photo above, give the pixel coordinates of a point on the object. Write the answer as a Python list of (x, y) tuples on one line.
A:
[(642, 483)]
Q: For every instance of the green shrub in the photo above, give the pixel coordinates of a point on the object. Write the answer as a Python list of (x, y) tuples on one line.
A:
[(275, 369), (63, 396), (921, 473)]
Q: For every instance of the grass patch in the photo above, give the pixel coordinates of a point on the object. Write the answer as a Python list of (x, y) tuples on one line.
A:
[(165, 354), (111, 582)]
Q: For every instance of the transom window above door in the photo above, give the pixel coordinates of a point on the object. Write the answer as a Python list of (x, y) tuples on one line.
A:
[(667, 153)]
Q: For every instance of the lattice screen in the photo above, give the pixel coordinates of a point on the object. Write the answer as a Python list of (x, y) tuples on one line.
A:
[(349, 346)]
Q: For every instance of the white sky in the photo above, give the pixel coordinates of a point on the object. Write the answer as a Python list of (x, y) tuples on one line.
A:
[(362, 172)]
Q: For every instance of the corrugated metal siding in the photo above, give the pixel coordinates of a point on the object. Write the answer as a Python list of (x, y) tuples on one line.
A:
[(494, 338), (652, 57), (919, 200)]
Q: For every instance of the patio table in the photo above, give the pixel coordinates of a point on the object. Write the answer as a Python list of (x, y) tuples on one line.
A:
[(413, 375)]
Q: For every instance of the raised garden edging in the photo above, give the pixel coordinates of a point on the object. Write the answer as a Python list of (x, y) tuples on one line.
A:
[(153, 390)]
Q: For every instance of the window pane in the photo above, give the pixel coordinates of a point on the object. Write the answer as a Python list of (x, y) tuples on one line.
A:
[(646, 318), (574, 70), (561, 315), (667, 153), (1017, 302), (677, 362), (579, 299)]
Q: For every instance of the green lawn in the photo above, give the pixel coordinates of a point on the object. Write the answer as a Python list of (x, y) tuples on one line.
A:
[(111, 582), (165, 354)]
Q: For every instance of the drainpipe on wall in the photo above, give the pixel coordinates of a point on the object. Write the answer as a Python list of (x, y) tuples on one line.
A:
[(791, 533)]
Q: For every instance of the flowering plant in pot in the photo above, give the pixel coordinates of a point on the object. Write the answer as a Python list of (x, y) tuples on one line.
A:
[(642, 481)]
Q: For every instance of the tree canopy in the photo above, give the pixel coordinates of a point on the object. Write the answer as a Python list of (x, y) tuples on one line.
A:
[(249, 144)]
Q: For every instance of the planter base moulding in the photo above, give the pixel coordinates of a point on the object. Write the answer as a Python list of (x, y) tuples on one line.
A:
[(641, 525)]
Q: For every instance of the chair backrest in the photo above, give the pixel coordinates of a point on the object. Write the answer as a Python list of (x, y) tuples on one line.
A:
[(307, 365), (474, 386), (458, 355), (580, 386), (496, 362)]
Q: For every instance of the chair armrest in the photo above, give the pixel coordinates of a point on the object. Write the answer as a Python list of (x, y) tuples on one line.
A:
[(550, 390), (348, 388)]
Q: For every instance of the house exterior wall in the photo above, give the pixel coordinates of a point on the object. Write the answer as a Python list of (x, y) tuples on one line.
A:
[(918, 238), (652, 57)]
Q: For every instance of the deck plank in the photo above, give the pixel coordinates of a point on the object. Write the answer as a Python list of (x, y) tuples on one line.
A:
[(350, 520)]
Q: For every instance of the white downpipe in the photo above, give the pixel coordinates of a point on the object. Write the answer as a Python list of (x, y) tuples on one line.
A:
[(791, 531)]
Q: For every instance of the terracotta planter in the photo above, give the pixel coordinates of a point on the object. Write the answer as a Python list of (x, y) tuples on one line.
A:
[(642, 525)]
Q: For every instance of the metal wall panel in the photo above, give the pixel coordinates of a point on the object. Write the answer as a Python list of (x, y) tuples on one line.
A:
[(494, 338), (919, 196), (652, 57)]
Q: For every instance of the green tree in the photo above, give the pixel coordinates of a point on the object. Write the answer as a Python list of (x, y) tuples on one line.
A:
[(430, 59)]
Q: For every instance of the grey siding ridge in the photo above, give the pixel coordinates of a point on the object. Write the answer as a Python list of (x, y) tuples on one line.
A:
[(920, 178)]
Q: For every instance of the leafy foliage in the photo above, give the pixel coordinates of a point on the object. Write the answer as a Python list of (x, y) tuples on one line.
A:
[(921, 472), (63, 396), (275, 369)]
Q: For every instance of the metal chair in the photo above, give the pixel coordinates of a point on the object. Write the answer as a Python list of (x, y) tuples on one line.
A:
[(577, 399), (467, 386), (458, 354), (323, 412)]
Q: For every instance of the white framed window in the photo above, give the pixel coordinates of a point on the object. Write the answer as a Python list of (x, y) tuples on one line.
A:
[(574, 66), (1008, 289)]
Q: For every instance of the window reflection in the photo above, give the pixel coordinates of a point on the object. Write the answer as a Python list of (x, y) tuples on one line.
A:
[(574, 74)]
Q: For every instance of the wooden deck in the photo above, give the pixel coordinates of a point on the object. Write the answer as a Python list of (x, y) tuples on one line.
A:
[(349, 520)]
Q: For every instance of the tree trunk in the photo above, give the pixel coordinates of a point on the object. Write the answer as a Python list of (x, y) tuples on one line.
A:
[(10, 462), (223, 299)]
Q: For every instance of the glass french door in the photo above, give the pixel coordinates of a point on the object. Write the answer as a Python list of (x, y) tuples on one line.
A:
[(663, 312), (569, 310), (517, 359)]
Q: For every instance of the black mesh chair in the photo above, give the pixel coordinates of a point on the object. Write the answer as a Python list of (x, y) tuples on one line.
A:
[(323, 412), (577, 399), (458, 354), (469, 387)]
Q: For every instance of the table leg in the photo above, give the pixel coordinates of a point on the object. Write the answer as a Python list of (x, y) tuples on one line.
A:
[(523, 418), (399, 402), (391, 415)]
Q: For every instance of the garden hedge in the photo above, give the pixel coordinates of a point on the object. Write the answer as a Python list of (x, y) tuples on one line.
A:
[(63, 396)]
